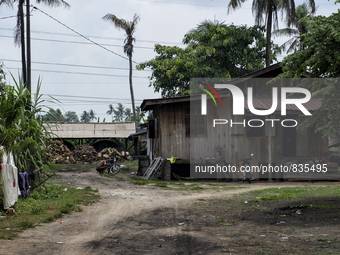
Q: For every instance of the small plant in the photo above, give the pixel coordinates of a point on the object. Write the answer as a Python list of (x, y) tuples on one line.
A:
[(25, 224)]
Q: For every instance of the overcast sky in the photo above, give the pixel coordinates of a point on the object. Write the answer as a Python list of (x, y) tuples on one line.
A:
[(84, 76)]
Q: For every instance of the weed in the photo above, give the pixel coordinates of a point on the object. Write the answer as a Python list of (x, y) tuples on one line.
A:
[(25, 224), (220, 219), (161, 184), (45, 204)]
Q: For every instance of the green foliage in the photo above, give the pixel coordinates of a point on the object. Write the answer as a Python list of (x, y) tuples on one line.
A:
[(71, 116), (53, 115), (45, 204), (214, 50), (120, 113), (21, 129), (2, 78), (295, 27), (320, 59), (85, 117)]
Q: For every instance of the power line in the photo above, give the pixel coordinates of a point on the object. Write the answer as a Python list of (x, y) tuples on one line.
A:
[(98, 37), (66, 72), (36, 8), (8, 17), (59, 64), (109, 98), (60, 41)]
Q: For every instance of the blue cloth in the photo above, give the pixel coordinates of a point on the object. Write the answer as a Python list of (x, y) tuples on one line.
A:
[(23, 184)]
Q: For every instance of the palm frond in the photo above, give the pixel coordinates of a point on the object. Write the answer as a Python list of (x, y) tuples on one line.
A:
[(6, 2), (118, 23), (286, 31), (18, 27), (54, 3), (234, 4)]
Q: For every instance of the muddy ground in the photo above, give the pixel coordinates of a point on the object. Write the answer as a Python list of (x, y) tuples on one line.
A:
[(142, 219)]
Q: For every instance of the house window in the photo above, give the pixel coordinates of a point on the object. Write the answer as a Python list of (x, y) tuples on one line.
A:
[(255, 131), (195, 123)]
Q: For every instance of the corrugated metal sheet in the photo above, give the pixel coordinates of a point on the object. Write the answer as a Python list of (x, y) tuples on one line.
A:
[(311, 105)]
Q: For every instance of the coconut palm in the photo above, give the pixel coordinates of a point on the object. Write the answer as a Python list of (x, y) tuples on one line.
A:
[(295, 28), (92, 115), (19, 32), (110, 111), (85, 117), (129, 27), (119, 113), (269, 10)]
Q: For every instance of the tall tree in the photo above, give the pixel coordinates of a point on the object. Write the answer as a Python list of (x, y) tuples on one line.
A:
[(295, 28), (129, 27), (214, 50), (119, 112), (265, 12), (85, 117), (320, 59), (92, 115), (71, 116), (127, 114), (110, 111)]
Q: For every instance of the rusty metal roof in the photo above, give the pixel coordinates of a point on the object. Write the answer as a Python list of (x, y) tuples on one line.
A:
[(311, 105)]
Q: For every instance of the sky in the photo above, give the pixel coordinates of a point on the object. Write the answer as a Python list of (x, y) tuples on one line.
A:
[(84, 76)]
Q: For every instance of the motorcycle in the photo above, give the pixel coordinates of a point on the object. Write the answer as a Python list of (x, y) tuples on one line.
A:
[(247, 174)]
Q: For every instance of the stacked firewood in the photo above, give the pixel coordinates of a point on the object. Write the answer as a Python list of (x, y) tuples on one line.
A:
[(61, 154), (111, 152), (85, 153)]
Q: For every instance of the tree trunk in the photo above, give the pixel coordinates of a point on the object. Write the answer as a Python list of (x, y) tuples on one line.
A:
[(28, 41), (269, 32), (22, 40), (131, 92)]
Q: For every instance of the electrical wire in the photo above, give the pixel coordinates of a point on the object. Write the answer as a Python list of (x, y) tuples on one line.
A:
[(36, 8), (73, 65), (92, 36), (67, 72), (86, 43)]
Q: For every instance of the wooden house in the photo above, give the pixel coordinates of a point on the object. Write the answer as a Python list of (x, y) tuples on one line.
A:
[(190, 136)]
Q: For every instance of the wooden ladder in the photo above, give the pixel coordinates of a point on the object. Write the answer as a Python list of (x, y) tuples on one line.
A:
[(154, 166)]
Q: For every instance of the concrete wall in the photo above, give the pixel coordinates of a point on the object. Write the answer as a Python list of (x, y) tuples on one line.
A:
[(92, 130)]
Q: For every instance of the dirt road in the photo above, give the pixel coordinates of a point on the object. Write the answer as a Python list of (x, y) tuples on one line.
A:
[(131, 219)]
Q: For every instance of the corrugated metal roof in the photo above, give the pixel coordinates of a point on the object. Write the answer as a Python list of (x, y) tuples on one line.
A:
[(311, 105)]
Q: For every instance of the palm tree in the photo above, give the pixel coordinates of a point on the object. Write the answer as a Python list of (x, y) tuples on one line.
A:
[(110, 111), (128, 115), (129, 27), (19, 32), (295, 28), (92, 115), (85, 117), (119, 113), (269, 9)]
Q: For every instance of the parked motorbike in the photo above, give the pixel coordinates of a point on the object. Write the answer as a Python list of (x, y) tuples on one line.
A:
[(247, 174)]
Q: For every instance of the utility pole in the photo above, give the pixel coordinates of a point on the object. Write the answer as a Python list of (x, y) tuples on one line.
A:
[(28, 45), (22, 39)]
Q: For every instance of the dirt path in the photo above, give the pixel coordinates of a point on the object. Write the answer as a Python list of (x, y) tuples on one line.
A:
[(129, 219)]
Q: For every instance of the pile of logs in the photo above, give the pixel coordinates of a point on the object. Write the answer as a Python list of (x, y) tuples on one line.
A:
[(110, 152), (84, 153), (60, 154)]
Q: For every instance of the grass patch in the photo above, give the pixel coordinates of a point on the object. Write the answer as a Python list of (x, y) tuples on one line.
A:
[(292, 193), (45, 204)]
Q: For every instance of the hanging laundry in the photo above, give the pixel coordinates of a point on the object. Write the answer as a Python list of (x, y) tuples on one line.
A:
[(9, 182), (24, 184)]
